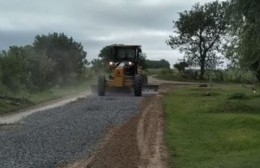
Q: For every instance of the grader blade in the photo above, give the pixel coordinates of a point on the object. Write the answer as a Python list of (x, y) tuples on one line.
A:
[(150, 88), (111, 91)]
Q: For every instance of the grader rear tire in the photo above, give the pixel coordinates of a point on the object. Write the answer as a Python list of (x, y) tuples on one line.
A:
[(145, 79), (101, 85), (138, 83)]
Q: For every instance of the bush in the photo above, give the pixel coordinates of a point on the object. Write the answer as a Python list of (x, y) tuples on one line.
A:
[(230, 75), (4, 90), (238, 76), (167, 74)]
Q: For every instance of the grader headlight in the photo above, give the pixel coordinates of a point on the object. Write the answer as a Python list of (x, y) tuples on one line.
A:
[(130, 63), (111, 63)]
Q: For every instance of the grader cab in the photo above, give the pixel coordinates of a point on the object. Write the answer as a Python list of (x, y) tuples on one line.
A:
[(126, 70)]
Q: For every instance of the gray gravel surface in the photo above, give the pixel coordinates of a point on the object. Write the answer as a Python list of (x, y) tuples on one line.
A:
[(64, 134)]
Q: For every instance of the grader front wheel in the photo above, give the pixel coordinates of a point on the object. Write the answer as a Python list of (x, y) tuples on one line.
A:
[(101, 85)]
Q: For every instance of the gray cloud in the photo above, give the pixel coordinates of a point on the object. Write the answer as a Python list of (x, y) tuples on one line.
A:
[(94, 23), (10, 38)]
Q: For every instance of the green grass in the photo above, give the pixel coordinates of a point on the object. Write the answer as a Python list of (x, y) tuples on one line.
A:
[(59, 92), (46, 95), (205, 128)]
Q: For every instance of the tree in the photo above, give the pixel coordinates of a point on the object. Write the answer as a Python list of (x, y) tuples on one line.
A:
[(244, 18), (23, 67), (106, 53), (199, 34), (69, 56), (12, 68), (181, 66), (157, 64), (97, 65), (165, 63), (39, 69)]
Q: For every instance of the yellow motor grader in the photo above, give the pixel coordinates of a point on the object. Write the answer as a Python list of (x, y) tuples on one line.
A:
[(126, 71)]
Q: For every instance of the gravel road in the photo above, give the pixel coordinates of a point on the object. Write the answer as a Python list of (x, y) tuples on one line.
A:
[(64, 134)]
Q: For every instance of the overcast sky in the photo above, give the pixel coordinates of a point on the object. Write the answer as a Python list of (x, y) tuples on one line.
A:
[(95, 23)]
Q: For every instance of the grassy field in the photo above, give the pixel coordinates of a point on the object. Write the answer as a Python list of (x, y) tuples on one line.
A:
[(216, 127), (46, 95)]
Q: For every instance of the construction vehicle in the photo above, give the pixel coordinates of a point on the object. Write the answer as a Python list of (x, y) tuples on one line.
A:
[(126, 71)]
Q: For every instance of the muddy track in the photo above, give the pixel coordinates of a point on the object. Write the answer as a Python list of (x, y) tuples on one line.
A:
[(150, 134)]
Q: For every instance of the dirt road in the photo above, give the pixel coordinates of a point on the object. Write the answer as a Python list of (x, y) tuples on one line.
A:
[(139, 143), (136, 144), (61, 135)]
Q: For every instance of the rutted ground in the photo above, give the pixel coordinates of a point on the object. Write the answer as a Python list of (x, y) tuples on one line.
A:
[(150, 134)]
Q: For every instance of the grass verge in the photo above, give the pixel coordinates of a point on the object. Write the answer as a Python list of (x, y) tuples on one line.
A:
[(212, 128), (46, 95)]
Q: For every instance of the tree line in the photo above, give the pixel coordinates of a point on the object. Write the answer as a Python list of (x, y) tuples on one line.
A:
[(51, 60), (155, 64), (208, 33)]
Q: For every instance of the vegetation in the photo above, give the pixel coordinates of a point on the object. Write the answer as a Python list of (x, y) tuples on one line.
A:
[(106, 53), (181, 66), (244, 49), (208, 32), (97, 65), (213, 127), (25, 99), (68, 55), (199, 33), (52, 61), (220, 76), (154, 64), (216, 126)]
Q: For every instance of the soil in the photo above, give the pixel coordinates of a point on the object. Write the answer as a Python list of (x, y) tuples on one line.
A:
[(136, 144)]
